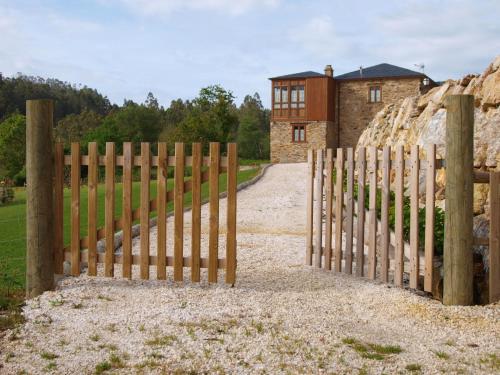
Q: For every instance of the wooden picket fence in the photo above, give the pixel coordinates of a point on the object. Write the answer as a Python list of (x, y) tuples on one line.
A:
[(84, 250), (335, 218)]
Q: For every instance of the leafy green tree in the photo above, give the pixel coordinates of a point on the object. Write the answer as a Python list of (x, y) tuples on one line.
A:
[(74, 127), (253, 132), (12, 145)]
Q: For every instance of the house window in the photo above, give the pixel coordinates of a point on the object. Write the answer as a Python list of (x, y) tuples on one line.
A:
[(298, 133), (280, 97), (298, 97), (375, 94)]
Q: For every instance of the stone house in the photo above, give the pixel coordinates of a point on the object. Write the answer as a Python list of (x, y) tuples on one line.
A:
[(315, 110)]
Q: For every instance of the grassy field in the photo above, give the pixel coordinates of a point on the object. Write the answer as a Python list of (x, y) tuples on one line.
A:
[(13, 223)]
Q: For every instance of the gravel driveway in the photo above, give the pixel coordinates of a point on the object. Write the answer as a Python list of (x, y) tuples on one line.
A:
[(281, 316)]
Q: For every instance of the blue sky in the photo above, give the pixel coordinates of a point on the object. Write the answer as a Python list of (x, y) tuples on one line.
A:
[(126, 48)]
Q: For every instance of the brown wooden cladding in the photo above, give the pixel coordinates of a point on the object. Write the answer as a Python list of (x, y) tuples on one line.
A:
[(319, 100)]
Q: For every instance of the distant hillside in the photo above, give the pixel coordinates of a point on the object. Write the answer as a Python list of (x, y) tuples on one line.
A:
[(70, 99)]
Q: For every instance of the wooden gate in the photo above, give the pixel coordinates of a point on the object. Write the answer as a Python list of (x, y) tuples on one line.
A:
[(83, 250), (350, 203)]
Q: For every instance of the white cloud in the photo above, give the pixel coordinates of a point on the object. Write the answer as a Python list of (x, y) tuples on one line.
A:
[(165, 7)]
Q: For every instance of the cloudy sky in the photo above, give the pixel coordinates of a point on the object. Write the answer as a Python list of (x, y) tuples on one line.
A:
[(126, 48)]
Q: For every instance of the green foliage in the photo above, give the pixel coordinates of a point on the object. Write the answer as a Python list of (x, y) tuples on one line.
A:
[(253, 132), (74, 127), (12, 145), (6, 192), (68, 98)]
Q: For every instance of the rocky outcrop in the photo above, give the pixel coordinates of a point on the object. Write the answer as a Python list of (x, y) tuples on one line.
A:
[(421, 120)]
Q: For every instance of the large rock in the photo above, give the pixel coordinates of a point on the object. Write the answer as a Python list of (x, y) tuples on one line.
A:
[(421, 120)]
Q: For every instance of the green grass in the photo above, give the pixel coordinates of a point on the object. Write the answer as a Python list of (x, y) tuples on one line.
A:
[(253, 162), (13, 224)]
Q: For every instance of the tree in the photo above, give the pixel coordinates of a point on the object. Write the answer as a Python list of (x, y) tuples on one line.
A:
[(12, 145), (74, 127), (253, 132)]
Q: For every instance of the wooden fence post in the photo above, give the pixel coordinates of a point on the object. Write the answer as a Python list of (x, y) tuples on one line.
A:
[(458, 270), (39, 206), (494, 247)]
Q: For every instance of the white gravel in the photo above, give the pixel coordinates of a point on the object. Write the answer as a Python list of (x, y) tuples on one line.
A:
[(281, 317)]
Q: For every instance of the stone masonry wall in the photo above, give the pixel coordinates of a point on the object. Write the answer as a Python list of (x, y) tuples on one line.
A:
[(283, 150), (356, 112)]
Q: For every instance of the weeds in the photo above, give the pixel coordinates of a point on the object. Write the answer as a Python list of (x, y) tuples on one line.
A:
[(414, 367), (372, 351)]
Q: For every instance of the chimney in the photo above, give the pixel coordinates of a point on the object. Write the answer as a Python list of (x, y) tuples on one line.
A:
[(361, 71), (329, 70)]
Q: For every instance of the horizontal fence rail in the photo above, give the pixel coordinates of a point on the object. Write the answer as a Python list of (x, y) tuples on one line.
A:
[(83, 251), (336, 218)]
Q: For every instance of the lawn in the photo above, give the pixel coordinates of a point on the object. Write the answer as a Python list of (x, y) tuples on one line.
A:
[(13, 223)]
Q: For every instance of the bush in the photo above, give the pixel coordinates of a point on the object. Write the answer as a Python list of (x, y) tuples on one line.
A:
[(6, 192)]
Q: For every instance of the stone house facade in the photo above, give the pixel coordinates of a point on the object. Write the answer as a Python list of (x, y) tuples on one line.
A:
[(314, 110)]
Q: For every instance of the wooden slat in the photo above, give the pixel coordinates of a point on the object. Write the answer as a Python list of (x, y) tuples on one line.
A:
[(58, 208), (481, 177), (310, 205), (128, 157), (319, 208), (414, 258), (109, 209), (339, 204), (494, 246), (196, 213), (92, 207), (384, 230), (161, 267), (328, 216), (75, 209), (349, 211), (213, 239), (398, 224), (430, 186), (144, 220), (360, 237), (179, 211), (232, 171), (372, 213)]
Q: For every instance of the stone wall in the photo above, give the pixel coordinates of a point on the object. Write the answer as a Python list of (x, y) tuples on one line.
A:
[(356, 112), (283, 150)]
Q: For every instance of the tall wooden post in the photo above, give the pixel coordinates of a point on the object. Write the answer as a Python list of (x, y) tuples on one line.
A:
[(458, 262), (39, 205)]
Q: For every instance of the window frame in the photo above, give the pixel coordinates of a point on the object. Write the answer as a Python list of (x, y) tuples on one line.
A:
[(375, 87), (298, 104), (298, 125)]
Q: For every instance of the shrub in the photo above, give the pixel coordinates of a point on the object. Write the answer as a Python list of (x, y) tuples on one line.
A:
[(6, 192)]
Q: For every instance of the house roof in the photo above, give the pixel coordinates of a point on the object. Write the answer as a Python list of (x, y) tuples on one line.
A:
[(308, 74), (381, 71)]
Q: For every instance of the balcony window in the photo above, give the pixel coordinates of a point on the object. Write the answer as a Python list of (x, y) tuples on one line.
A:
[(298, 97)]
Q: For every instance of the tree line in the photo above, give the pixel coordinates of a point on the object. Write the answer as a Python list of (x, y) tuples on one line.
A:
[(84, 115)]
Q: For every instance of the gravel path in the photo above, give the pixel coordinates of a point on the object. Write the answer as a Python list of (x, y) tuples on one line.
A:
[(281, 317)]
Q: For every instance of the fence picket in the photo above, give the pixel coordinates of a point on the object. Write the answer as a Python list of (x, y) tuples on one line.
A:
[(429, 216), (128, 159), (213, 240), (161, 265), (92, 207), (328, 213), (414, 256), (319, 208), (372, 219), (179, 212), (349, 210), (59, 208), (494, 243), (196, 212), (386, 190), (144, 215), (339, 204), (398, 224), (232, 170), (310, 203), (360, 238), (109, 209), (75, 209)]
